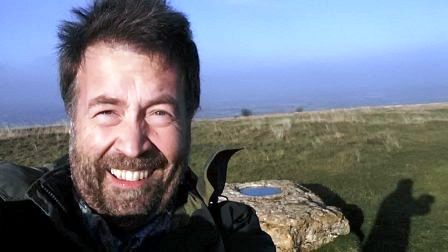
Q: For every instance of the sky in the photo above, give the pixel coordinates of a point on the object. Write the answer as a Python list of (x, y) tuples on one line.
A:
[(273, 49)]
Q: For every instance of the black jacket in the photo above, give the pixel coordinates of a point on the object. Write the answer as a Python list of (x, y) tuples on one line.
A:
[(38, 210)]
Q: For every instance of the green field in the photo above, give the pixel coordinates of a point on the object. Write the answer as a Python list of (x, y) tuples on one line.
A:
[(387, 168)]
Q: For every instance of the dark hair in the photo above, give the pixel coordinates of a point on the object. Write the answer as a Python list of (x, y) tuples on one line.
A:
[(150, 26)]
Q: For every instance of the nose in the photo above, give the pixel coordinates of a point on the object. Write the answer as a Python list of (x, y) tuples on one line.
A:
[(133, 140)]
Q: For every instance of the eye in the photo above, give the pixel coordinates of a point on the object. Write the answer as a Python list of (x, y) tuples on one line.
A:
[(160, 118), (161, 113), (106, 117), (105, 113)]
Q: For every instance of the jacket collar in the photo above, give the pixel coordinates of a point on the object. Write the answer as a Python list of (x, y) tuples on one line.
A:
[(53, 193)]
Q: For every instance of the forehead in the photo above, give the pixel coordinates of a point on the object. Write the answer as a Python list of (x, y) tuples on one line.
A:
[(113, 67), (104, 53), (126, 75)]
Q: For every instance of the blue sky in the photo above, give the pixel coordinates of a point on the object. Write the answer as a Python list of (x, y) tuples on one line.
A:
[(253, 30), (247, 43), (296, 30)]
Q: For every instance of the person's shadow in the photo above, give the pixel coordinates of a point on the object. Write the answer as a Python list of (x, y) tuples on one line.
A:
[(352, 212), (391, 229)]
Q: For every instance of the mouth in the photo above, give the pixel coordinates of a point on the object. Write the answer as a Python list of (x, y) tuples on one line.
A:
[(127, 175)]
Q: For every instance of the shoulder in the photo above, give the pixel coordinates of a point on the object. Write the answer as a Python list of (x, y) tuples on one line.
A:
[(16, 179), (240, 228)]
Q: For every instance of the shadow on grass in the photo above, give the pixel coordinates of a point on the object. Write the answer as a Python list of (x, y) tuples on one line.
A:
[(391, 229), (352, 212)]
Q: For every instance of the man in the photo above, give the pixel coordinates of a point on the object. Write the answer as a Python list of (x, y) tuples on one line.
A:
[(129, 78)]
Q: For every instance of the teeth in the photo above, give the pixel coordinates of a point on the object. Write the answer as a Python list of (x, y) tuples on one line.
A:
[(136, 176), (129, 175)]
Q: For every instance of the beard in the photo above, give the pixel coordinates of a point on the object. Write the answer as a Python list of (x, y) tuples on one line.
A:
[(126, 208)]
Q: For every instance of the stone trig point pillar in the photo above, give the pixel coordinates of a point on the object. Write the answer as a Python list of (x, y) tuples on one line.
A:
[(295, 218)]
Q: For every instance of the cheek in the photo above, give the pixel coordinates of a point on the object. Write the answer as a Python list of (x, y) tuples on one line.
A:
[(93, 140), (169, 141)]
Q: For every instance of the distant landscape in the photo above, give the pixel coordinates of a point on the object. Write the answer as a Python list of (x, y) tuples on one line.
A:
[(217, 102), (31, 96), (385, 167)]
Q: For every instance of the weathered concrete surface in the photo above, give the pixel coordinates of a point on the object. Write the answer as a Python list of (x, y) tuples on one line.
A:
[(296, 218)]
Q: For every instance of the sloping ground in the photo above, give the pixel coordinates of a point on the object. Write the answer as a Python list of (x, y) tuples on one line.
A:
[(386, 167)]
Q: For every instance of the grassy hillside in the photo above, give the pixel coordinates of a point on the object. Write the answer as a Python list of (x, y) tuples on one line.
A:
[(385, 167)]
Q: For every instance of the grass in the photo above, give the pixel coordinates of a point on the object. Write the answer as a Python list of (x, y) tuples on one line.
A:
[(386, 167)]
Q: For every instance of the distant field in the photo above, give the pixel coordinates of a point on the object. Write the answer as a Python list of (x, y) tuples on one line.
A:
[(387, 168)]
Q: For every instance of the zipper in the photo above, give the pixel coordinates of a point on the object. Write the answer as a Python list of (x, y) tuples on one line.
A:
[(52, 196)]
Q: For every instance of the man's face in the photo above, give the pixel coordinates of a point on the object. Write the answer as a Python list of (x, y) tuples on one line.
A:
[(129, 141)]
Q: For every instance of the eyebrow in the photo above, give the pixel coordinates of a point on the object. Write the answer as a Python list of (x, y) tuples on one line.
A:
[(102, 99), (163, 99), (106, 100)]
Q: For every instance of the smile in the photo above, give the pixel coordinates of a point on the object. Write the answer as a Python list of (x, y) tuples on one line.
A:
[(129, 175)]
